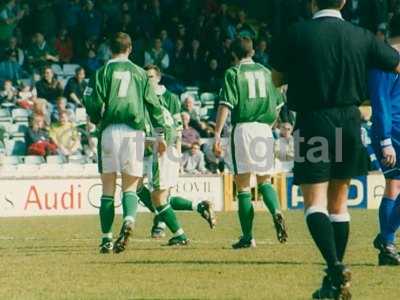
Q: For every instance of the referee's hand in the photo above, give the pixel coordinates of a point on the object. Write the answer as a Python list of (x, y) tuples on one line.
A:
[(389, 156)]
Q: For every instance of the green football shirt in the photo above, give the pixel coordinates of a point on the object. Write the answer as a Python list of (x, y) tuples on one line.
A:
[(250, 94), (119, 93)]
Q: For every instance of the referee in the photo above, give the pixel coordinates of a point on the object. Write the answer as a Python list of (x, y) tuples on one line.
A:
[(325, 61)]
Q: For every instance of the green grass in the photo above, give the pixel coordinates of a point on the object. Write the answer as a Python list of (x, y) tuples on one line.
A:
[(57, 258)]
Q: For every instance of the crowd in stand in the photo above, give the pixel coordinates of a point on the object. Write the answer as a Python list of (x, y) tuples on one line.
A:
[(189, 40)]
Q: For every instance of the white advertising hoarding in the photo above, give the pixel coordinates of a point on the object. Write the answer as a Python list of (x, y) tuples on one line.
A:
[(81, 196)]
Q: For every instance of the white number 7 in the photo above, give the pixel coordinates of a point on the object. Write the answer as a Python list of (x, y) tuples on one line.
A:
[(125, 78), (255, 79)]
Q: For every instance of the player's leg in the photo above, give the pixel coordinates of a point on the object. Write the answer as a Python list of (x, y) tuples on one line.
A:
[(270, 198), (144, 195), (245, 211), (129, 210), (389, 219), (107, 211), (168, 216), (130, 154)]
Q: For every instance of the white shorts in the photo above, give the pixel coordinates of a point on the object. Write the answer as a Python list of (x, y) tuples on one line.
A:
[(251, 149), (122, 150), (165, 170)]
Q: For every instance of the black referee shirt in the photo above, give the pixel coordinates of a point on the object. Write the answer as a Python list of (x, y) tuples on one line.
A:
[(326, 61)]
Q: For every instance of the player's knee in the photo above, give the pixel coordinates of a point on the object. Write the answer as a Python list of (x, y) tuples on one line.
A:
[(159, 198), (264, 180)]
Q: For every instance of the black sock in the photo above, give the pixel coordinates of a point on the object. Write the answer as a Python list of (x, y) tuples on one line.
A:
[(321, 231), (341, 230)]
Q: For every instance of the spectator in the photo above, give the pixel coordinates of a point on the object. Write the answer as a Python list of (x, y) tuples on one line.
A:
[(75, 87), (69, 13), (196, 62), (167, 43), (8, 93), (178, 60), (189, 134), (64, 46), (284, 148), (9, 68), (104, 52), (189, 107), (91, 20), (261, 56), (89, 135), (65, 135), (157, 55), (41, 107), (212, 78), (61, 106), (37, 138), (26, 96), (193, 160), (45, 20), (49, 87), (13, 46), (9, 18), (40, 53)]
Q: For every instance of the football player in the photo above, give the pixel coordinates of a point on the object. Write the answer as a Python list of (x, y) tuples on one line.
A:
[(249, 94)]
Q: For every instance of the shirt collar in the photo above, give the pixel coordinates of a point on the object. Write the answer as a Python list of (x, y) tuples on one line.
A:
[(246, 61), (160, 90), (333, 13)]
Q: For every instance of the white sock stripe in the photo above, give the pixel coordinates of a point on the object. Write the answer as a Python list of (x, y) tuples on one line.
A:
[(194, 205), (340, 218), (164, 209), (129, 218), (107, 198), (161, 225), (107, 235), (179, 232), (315, 209)]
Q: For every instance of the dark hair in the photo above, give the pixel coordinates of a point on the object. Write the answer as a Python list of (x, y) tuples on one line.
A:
[(153, 67), (324, 4), (395, 26), (78, 70), (120, 43), (242, 47)]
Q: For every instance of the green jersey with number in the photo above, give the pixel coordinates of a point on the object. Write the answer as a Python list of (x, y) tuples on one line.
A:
[(250, 94), (119, 93)]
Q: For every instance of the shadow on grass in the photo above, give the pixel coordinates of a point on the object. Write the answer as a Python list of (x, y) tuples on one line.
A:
[(198, 262)]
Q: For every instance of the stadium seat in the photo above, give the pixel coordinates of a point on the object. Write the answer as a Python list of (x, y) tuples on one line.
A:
[(194, 94), (26, 170), (15, 147), (208, 98), (8, 170), (70, 169), (80, 115), (5, 115), (55, 160), (91, 169), (26, 82), (33, 160), (69, 69), (17, 130), (20, 115), (57, 70), (8, 105)]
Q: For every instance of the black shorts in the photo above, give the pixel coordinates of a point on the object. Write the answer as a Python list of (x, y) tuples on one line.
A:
[(328, 146)]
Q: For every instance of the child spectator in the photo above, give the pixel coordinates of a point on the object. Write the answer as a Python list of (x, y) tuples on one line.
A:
[(37, 138), (193, 160)]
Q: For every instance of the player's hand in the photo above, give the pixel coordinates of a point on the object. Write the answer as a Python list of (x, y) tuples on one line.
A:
[(389, 156), (217, 147), (161, 147)]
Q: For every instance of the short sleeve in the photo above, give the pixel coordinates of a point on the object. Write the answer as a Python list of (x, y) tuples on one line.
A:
[(229, 93), (382, 55)]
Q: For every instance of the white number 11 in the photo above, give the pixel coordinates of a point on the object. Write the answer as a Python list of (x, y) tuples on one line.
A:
[(254, 80), (125, 78)]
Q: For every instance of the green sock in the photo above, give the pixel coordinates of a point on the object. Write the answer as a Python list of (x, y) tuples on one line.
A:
[(145, 197), (107, 213), (270, 197), (179, 203), (129, 205), (168, 215), (246, 214)]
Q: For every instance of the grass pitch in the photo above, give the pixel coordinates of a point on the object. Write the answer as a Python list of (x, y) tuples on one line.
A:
[(57, 258)]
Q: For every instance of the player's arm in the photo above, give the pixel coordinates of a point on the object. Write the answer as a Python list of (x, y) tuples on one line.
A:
[(379, 87), (153, 106), (229, 99), (93, 98)]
